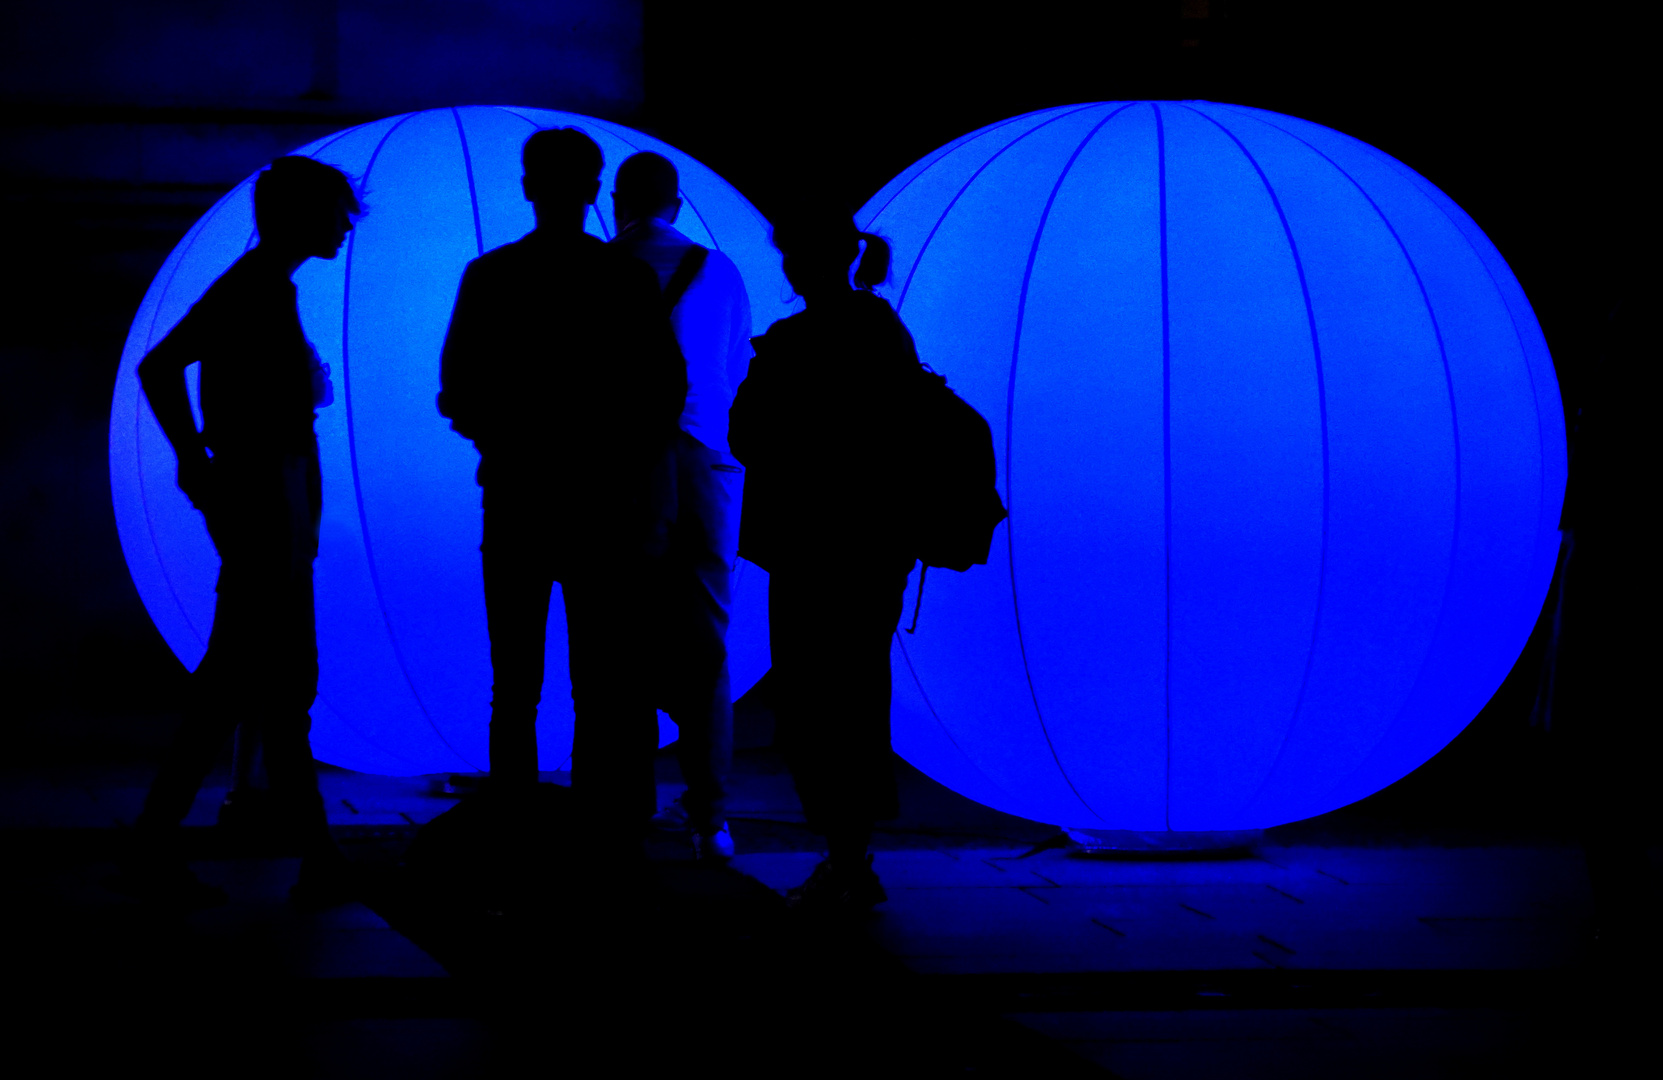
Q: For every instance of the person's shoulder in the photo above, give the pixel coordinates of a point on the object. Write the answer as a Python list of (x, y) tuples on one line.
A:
[(720, 269), (784, 334), (515, 253), (612, 254), (864, 304), (624, 266), (245, 287)]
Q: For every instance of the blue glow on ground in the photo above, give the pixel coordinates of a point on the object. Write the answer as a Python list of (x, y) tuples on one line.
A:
[(405, 679), (1282, 447)]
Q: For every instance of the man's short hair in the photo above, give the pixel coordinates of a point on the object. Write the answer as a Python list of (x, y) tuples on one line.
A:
[(296, 191), (561, 162), (646, 182)]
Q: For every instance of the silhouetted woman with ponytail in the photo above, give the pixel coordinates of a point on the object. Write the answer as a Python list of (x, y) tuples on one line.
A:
[(820, 424)]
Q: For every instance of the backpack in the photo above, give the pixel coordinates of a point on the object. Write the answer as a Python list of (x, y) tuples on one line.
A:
[(956, 501)]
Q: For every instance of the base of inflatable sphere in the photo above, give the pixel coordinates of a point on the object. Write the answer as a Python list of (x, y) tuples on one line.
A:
[(1130, 842)]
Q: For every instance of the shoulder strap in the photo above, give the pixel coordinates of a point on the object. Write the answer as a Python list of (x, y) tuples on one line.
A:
[(688, 269)]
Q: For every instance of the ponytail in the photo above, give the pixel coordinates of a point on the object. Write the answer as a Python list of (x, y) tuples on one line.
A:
[(874, 262)]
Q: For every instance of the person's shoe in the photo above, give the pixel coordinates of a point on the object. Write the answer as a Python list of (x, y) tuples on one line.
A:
[(832, 889), (167, 884), (673, 818), (714, 846)]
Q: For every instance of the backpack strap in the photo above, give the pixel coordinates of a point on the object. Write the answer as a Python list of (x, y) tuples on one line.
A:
[(686, 270), (923, 569)]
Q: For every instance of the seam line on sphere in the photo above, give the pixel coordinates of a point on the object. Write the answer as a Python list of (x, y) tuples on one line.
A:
[(685, 198), (1166, 450), (1010, 421), (1322, 415), (1547, 516), (1452, 211), (473, 193), (331, 141), (901, 300), (352, 455), (946, 152), (930, 705), (1455, 433), (188, 243), (535, 126)]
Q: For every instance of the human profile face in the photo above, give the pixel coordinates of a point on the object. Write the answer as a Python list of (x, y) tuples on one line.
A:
[(328, 240)]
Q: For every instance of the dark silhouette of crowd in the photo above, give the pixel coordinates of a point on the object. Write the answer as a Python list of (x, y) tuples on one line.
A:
[(605, 385)]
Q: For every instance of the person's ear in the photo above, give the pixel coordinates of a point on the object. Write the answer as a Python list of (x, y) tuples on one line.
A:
[(675, 211), (594, 192)]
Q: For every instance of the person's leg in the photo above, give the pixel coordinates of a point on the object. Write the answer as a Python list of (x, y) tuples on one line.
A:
[(830, 634), (616, 731), (216, 699), (292, 686), (697, 597), (208, 719), (213, 704), (517, 590)]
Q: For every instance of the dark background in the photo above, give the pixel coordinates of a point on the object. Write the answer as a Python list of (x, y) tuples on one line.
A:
[(120, 123)]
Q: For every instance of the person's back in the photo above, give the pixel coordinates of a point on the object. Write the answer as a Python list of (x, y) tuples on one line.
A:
[(257, 388), (561, 366), (821, 425), (710, 315), (711, 319), (553, 368)]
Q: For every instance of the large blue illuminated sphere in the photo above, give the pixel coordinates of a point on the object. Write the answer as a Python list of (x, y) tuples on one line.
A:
[(1283, 452), (405, 684)]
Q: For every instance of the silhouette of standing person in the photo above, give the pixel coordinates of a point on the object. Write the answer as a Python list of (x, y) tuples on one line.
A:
[(253, 472), (711, 315), (819, 424), (561, 366)]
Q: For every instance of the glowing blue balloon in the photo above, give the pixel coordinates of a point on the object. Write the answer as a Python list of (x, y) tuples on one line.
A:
[(1283, 452), (405, 680)]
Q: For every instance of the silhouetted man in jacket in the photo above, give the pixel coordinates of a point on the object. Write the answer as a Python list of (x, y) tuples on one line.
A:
[(711, 316), (561, 366), (253, 472)]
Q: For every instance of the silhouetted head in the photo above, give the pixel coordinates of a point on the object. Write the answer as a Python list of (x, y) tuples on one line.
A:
[(562, 167), (818, 243), (645, 188), (304, 208)]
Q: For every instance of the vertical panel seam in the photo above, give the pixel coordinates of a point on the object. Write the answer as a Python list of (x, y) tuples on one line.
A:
[(473, 193), (930, 705), (1454, 423), (948, 209), (946, 152), (1322, 406), (1010, 424), (1166, 450), (352, 453), (688, 201)]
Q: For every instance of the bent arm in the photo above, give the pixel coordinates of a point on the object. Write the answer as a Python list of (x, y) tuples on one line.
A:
[(162, 374), (459, 372), (662, 371), (751, 418)]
